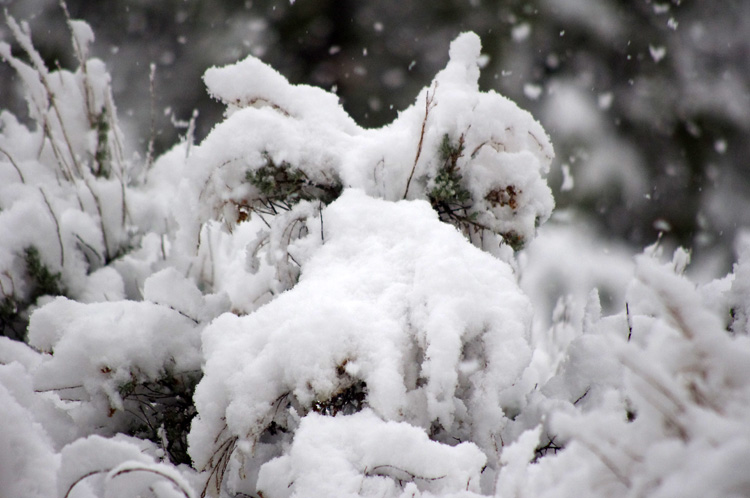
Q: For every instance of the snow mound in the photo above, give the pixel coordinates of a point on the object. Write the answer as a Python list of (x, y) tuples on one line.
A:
[(96, 349), (361, 455), (396, 312), (27, 459)]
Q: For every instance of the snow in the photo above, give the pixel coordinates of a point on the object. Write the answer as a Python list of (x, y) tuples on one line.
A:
[(362, 455), (97, 348), (660, 414), (27, 460), (521, 32), (393, 298), (532, 92), (370, 330), (657, 53), (501, 147), (117, 467)]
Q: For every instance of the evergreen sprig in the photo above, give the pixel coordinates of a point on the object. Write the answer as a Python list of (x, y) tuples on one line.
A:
[(284, 185), (43, 281)]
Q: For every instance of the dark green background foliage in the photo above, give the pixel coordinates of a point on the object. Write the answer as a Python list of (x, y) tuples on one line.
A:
[(40, 281)]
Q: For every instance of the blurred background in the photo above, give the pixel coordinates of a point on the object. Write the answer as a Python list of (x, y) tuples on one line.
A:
[(647, 101)]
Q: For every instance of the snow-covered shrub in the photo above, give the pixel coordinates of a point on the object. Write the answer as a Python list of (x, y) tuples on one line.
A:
[(385, 306), (63, 183), (650, 402), (285, 152), (78, 221), (366, 456), (335, 311)]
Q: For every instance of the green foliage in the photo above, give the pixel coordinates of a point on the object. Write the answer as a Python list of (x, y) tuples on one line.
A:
[(162, 411), (11, 322), (283, 185), (346, 401), (514, 240), (448, 191), (453, 202), (8, 308), (13, 306), (43, 281), (448, 196)]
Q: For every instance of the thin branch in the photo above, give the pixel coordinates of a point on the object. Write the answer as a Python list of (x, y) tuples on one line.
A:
[(169, 478), (411, 475), (90, 248), (653, 382), (98, 204), (81, 56), (57, 389), (84, 476), (492, 143), (428, 105), (582, 396), (607, 462), (64, 166), (57, 225), (226, 449), (15, 165), (629, 319), (320, 210)]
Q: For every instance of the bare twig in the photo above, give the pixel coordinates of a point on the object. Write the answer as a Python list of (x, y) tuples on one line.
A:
[(219, 467), (98, 204), (320, 210), (84, 476), (411, 476), (190, 134), (169, 478), (498, 146), (81, 56), (57, 389), (607, 462), (15, 165), (660, 388), (429, 103), (57, 225), (629, 319), (582, 396)]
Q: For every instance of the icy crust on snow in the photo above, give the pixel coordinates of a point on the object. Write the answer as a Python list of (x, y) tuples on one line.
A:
[(501, 157), (435, 328), (362, 455)]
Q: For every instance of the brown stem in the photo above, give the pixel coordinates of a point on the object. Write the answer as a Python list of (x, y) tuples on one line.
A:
[(428, 104)]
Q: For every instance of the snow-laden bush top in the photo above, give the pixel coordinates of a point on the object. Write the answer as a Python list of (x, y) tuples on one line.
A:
[(478, 158)]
